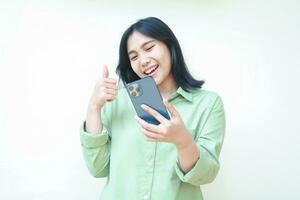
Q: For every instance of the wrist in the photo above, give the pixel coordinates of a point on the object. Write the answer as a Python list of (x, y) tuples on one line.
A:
[(93, 109), (186, 141), (94, 106)]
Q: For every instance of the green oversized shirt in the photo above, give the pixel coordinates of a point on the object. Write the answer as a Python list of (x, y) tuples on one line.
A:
[(139, 170)]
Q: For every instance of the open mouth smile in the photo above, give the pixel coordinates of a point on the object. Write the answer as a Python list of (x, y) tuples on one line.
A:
[(151, 70)]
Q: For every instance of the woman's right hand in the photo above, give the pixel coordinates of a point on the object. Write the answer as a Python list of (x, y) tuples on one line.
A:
[(105, 90)]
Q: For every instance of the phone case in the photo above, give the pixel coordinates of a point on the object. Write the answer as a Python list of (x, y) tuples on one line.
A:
[(145, 91)]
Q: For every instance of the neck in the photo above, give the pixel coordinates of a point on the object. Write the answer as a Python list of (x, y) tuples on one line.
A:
[(167, 88)]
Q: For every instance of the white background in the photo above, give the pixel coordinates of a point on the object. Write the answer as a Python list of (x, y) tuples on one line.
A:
[(51, 53)]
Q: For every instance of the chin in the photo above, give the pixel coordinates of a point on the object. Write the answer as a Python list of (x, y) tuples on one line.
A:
[(157, 80)]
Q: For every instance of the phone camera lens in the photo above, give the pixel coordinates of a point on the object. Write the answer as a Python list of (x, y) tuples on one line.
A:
[(130, 88), (134, 94)]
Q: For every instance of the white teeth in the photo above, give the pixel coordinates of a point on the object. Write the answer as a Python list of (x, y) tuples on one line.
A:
[(150, 69)]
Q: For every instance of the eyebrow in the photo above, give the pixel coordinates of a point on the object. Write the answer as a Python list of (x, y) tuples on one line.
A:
[(132, 51)]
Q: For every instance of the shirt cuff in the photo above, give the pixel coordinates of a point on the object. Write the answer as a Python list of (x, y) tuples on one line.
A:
[(199, 170), (92, 140)]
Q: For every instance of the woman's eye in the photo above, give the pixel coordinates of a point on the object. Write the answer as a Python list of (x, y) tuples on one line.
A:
[(148, 49), (133, 58)]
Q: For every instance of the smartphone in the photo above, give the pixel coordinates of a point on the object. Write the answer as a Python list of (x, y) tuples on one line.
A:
[(145, 91)]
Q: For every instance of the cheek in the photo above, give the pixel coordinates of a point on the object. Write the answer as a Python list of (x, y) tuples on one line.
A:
[(135, 68), (166, 61), (164, 56)]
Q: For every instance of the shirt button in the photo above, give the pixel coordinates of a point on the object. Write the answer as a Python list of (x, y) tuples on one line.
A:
[(149, 163), (145, 196)]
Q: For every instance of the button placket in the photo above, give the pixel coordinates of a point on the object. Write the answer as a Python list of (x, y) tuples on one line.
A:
[(149, 169)]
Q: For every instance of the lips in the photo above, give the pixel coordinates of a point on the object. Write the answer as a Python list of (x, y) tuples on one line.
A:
[(151, 70)]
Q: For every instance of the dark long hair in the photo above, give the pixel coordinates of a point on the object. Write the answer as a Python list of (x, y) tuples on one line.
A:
[(157, 29)]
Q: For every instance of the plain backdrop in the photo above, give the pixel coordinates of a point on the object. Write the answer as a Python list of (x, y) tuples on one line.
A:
[(51, 54)]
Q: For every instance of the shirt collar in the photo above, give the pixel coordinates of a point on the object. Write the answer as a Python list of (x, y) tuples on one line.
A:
[(187, 95)]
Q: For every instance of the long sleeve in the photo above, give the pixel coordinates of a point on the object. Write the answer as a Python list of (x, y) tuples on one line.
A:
[(209, 143), (96, 148)]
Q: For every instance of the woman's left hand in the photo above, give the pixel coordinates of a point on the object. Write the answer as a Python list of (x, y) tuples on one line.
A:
[(172, 131)]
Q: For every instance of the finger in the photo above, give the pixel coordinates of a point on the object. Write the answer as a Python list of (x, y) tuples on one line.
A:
[(149, 139), (147, 126), (109, 97), (171, 109), (110, 86), (110, 80), (151, 135), (155, 114), (105, 72), (111, 91)]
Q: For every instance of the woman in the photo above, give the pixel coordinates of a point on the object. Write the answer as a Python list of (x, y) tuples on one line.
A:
[(145, 161)]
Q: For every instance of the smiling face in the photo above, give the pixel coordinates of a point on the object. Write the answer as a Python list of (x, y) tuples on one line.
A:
[(150, 57)]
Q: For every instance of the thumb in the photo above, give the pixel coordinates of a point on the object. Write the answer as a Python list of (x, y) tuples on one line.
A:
[(105, 72)]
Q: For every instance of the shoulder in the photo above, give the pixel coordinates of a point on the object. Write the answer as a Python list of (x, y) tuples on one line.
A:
[(118, 106), (205, 95), (121, 101), (122, 96), (209, 102), (206, 98)]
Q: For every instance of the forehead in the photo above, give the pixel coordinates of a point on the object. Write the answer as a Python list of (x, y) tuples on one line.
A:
[(136, 39)]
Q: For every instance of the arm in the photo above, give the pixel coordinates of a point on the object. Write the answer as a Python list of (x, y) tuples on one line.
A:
[(93, 120), (95, 146), (188, 154), (199, 159), (208, 143), (94, 133)]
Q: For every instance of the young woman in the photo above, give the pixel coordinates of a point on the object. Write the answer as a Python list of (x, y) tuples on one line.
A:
[(169, 161)]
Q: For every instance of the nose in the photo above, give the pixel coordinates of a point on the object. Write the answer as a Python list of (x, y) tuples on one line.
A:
[(145, 62)]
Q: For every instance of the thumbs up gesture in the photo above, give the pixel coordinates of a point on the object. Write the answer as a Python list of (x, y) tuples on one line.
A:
[(105, 90)]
